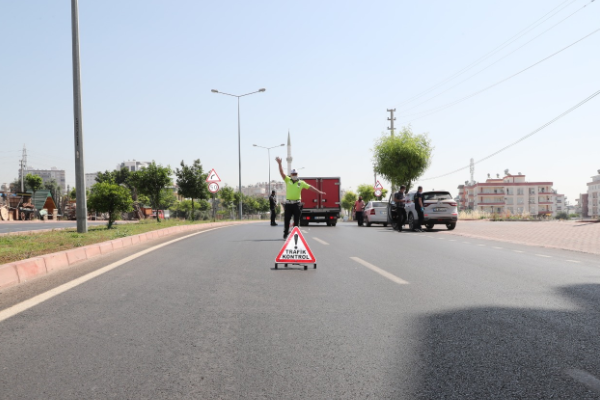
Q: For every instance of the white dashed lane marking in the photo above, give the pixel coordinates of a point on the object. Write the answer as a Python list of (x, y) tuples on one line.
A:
[(543, 255), (574, 261), (380, 271), (585, 378), (321, 241)]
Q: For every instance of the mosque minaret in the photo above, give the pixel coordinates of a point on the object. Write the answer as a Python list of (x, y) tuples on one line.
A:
[(289, 155)]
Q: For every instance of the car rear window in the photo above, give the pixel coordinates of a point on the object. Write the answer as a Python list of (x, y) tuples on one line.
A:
[(437, 196), (378, 204)]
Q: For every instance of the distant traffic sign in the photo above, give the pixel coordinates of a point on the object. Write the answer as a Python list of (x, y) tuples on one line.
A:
[(213, 177), (378, 193), (213, 187), (378, 185)]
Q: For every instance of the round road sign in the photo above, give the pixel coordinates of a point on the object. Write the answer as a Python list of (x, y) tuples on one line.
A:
[(213, 187), (378, 193)]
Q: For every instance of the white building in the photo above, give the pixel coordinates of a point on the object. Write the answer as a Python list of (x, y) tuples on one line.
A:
[(593, 196), (133, 165), (262, 190), (49, 174), (510, 194), (90, 180), (560, 203)]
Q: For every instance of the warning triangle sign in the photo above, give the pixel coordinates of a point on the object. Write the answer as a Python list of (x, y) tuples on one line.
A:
[(378, 185), (295, 250), (213, 177)]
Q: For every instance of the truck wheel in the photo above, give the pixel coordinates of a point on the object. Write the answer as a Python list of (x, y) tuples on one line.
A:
[(334, 223), (303, 223), (328, 223)]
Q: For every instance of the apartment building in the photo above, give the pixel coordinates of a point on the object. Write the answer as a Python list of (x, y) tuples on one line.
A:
[(90, 179), (593, 196), (49, 174), (133, 165), (261, 189), (511, 193)]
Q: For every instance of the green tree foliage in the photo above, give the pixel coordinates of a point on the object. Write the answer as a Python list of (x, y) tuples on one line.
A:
[(55, 190), (403, 158), (167, 199), (73, 194), (348, 201), (151, 181), (34, 182), (191, 182), (366, 191), (263, 205), (227, 197), (110, 198), (106, 176)]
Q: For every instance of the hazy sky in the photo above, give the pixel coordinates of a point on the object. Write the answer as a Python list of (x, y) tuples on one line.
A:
[(331, 69)]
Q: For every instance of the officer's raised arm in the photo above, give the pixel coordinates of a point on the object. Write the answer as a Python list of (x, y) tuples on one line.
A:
[(278, 159)]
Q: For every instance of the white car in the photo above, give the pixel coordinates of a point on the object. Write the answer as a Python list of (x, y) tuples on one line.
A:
[(376, 213), (440, 208)]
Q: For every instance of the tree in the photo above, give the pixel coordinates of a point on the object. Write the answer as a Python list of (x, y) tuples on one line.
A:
[(403, 158), (151, 181), (108, 197), (34, 183), (348, 201), (106, 176), (73, 194), (191, 182), (227, 196), (366, 191)]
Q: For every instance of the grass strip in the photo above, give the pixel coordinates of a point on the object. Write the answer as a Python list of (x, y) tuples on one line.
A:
[(20, 247)]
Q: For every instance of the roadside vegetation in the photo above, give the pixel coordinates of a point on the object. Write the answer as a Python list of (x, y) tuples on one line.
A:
[(19, 247)]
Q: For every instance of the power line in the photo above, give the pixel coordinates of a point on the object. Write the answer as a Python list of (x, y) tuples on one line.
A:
[(498, 60), (503, 45), (445, 106), (521, 139)]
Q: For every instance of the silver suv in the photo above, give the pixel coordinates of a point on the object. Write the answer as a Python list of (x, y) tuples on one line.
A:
[(440, 208)]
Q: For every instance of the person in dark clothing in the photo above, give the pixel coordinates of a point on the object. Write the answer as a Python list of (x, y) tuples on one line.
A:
[(273, 205), (419, 208), (400, 200)]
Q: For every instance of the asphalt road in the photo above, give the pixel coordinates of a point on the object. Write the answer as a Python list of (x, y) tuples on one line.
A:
[(385, 315), (6, 227)]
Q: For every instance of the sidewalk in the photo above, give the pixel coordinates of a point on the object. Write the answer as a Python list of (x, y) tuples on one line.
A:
[(568, 235)]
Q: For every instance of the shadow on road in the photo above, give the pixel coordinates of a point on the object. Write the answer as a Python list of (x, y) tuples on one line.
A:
[(512, 353)]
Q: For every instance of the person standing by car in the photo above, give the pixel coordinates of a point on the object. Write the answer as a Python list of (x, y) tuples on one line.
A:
[(400, 200), (358, 209), (419, 208), (293, 190), (272, 205)]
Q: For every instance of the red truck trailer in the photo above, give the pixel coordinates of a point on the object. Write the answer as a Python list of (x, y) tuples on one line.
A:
[(317, 208)]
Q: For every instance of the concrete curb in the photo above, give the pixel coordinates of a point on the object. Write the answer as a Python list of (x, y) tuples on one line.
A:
[(18, 272)]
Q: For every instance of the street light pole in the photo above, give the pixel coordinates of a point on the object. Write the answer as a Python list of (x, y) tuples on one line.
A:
[(239, 138), (81, 210), (269, 155)]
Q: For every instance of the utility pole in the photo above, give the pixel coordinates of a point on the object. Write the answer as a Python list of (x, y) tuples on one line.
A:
[(22, 187), (78, 124), (391, 119)]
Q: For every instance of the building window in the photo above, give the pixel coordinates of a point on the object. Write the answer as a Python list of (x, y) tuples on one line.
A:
[(520, 191), (519, 200)]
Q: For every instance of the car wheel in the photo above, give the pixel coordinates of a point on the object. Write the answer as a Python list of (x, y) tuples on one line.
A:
[(368, 223), (451, 226), (429, 226), (411, 222), (384, 225)]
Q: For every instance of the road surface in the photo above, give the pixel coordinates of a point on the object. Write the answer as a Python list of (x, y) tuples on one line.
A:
[(386, 315)]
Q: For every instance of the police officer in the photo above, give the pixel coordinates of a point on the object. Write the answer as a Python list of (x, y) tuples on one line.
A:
[(400, 200), (272, 205), (293, 190)]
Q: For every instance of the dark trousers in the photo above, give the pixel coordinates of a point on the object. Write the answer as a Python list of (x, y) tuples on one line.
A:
[(359, 218), (420, 219), (291, 209), (401, 217), (272, 216)]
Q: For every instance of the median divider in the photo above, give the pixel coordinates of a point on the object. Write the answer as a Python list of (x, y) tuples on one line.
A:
[(18, 272)]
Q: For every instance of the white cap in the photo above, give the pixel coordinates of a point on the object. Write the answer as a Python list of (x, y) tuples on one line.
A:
[(294, 172)]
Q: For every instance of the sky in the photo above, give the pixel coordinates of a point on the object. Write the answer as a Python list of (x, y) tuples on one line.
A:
[(330, 69)]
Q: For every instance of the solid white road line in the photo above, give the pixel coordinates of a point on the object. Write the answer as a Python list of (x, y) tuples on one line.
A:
[(518, 251), (543, 255), (321, 241), (499, 248), (586, 378), (34, 301), (380, 271)]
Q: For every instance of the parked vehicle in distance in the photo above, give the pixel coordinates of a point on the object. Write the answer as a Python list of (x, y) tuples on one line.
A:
[(440, 208), (376, 213), (321, 208)]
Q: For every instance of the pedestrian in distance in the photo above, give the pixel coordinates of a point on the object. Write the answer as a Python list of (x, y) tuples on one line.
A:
[(358, 209), (400, 201), (419, 208), (273, 205), (293, 197)]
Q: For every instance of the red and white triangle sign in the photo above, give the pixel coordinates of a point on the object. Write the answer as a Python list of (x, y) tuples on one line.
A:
[(213, 177), (295, 250), (378, 185)]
